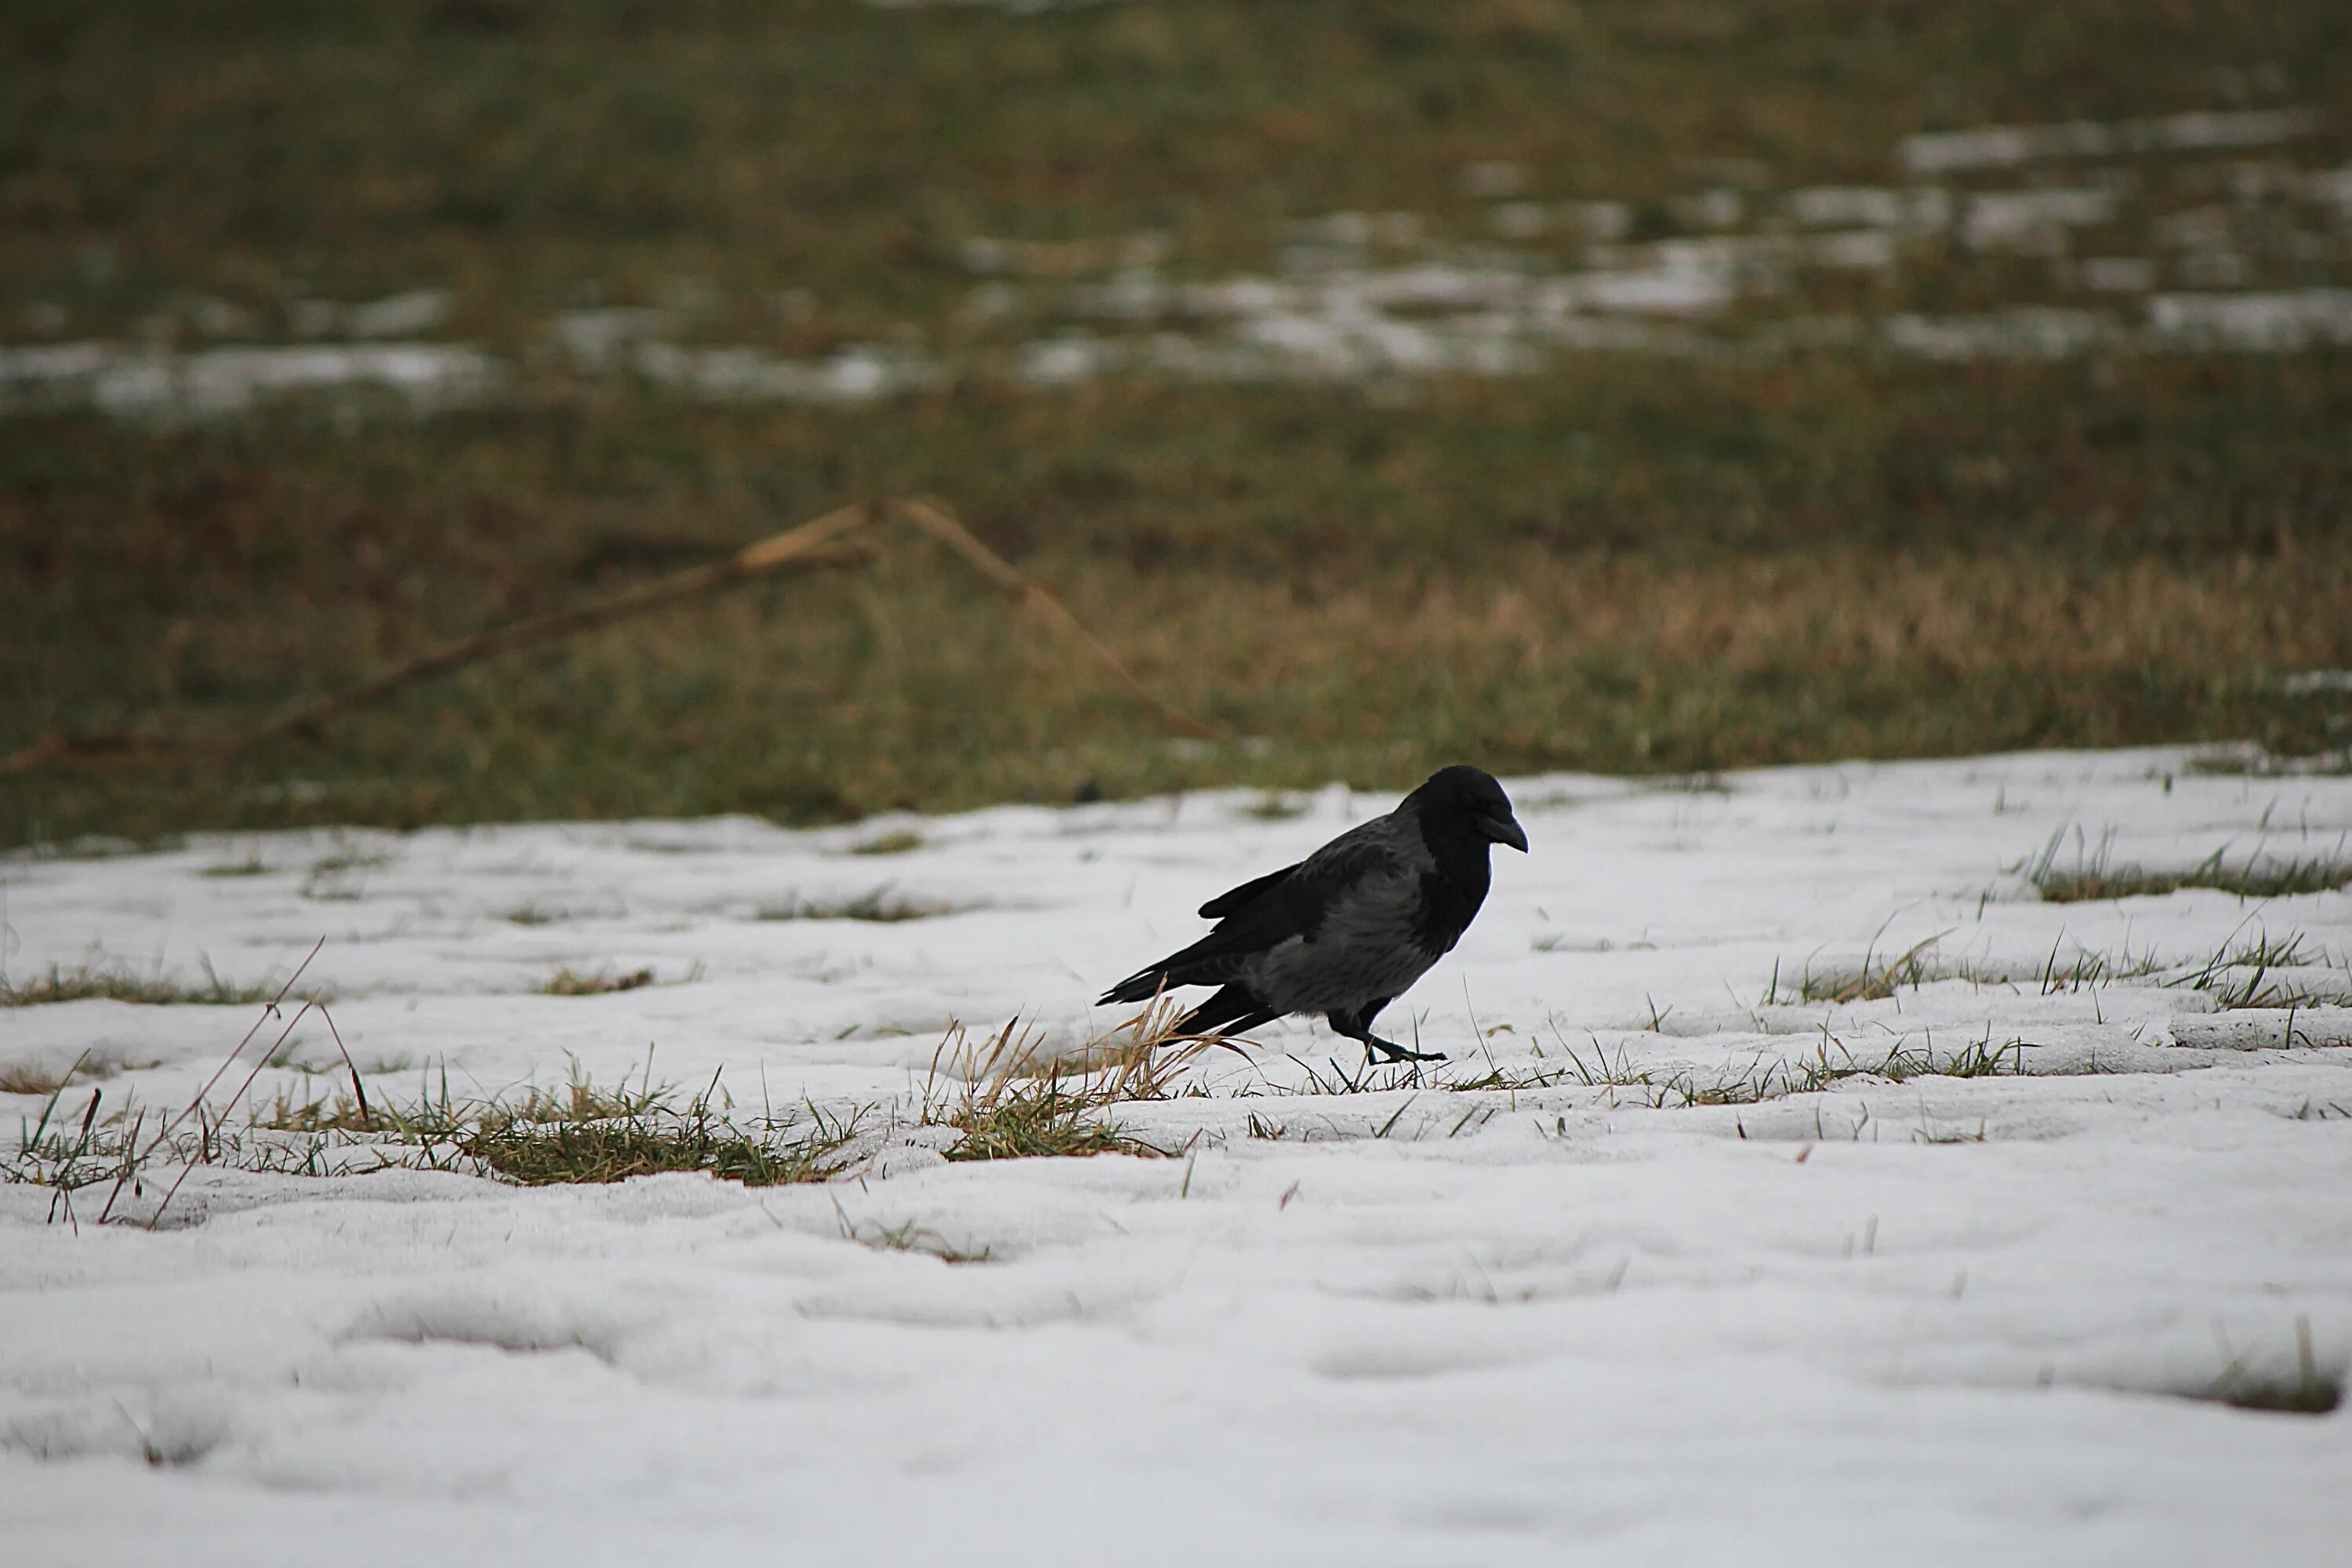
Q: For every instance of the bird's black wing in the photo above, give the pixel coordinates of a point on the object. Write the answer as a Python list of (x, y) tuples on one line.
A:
[(1235, 899), (1270, 910)]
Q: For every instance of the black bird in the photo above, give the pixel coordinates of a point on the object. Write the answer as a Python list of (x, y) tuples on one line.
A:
[(1345, 930)]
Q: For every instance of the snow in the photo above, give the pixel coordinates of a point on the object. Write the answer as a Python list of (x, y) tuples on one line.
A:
[(2007, 146), (2283, 321), (2022, 333), (158, 383), (1943, 1319)]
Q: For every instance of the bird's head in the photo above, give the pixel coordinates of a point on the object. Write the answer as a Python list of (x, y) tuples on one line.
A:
[(1465, 796)]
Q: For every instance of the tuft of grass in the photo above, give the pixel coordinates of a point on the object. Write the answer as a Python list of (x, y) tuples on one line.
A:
[(2308, 1391), (1870, 983), (29, 1078), (653, 1140), (1010, 1103), (1830, 1063), (908, 1236), (1041, 1119), (2086, 970), (897, 843), (570, 981), (881, 905), (2246, 974), (581, 1132), (344, 861), (2095, 875), (121, 986), (251, 866)]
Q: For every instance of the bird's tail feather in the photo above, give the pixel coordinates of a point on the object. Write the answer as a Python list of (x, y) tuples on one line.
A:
[(1141, 987), (1229, 1012)]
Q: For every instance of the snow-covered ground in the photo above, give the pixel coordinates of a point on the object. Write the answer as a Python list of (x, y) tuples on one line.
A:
[(1909, 1318)]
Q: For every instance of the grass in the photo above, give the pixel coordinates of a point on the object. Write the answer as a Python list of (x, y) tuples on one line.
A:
[(581, 1133), (116, 984), (1620, 562), (251, 866), (1831, 1063), (2307, 1391), (878, 905), (2094, 876), (1869, 982), (908, 1236), (1005, 1102), (570, 981), (1011, 1101), (29, 1078), (649, 1141), (889, 844), (2245, 974)]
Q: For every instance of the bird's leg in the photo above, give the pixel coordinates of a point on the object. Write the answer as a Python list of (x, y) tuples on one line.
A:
[(1392, 1052), (1358, 1025)]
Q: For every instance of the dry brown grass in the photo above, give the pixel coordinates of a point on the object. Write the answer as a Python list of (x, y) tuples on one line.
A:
[(1010, 1097), (568, 982)]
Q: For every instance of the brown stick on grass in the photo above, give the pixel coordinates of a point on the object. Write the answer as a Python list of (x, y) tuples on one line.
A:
[(934, 517), (811, 545)]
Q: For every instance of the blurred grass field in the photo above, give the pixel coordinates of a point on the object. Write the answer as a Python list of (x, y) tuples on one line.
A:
[(1612, 558)]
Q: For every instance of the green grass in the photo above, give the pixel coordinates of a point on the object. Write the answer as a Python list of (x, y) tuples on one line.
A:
[(1831, 1063), (1009, 1102), (1873, 982), (1009, 1106), (877, 906), (1622, 563), (647, 1143), (278, 147), (570, 981), (1039, 1120), (1298, 586), (2306, 1391), (118, 985), (582, 1133), (897, 843), (2250, 879), (2245, 974)]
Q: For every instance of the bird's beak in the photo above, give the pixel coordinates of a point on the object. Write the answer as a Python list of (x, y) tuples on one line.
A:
[(1504, 829)]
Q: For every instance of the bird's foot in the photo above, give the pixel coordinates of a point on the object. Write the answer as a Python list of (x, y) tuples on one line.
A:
[(1380, 1050)]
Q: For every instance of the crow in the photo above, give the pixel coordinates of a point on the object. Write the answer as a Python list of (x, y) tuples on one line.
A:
[(1346, 929)]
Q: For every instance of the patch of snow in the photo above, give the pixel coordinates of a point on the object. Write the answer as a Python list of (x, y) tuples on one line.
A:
[(2026, 332), (2282, 321), (738, 375), (1864, 206), (2019, 219), (399, 316), (2007, 146), (1857, 251), (1940, 1320), (2118, 274), (596, 338), (1717, 208), (164, 384)]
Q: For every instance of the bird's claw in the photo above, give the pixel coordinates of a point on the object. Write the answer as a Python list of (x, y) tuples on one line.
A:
[(1389, 1051)]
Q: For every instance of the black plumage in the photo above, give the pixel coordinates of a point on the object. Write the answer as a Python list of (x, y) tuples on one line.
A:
[(1345, 930)]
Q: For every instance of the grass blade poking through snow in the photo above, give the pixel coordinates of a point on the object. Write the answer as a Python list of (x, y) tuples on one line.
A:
[(1015, 1100)]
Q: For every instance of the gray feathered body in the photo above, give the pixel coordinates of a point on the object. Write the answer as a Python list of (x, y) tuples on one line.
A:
[(1374, 937), (1351, 926)]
